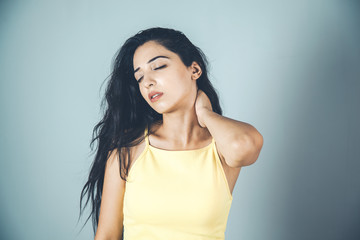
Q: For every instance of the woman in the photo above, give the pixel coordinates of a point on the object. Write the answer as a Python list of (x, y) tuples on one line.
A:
[(167, 160)]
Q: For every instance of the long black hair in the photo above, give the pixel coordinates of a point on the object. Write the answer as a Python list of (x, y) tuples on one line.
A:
[(127, 114)]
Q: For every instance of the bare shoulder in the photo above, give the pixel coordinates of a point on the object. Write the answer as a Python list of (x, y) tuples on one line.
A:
[(111, 207), (136, 151)]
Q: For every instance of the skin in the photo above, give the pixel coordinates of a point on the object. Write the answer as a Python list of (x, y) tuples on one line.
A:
[(180, 129), (188, 119), (188, 123)]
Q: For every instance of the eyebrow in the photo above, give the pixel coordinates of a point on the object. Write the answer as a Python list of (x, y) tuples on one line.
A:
[(151, 60)]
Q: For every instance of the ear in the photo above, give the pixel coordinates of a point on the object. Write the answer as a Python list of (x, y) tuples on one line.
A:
[(195, 70)]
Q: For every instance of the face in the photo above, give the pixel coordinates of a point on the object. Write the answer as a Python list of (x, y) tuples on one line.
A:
[(161, 71)]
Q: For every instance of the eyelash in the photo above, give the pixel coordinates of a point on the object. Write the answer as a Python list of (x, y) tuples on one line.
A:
[(154, 69), (160, 67)]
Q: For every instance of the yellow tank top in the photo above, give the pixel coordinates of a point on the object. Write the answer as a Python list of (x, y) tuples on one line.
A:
[(176, 195)]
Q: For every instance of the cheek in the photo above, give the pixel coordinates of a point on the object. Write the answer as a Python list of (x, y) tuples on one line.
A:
[(143, 94), (182, 86)]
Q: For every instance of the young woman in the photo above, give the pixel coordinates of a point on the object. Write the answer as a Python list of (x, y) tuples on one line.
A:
[(167, 160)]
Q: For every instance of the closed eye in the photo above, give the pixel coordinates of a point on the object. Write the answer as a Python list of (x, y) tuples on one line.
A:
[(139, 80), (160, 67), (154, 69)]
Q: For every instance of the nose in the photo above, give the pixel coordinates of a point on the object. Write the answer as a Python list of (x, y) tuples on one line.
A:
[(149, 81)]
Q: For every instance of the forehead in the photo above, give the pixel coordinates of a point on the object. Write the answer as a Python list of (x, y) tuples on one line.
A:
[(148, 51)]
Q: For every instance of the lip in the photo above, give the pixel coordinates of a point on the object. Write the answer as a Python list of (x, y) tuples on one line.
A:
[(155, 98)]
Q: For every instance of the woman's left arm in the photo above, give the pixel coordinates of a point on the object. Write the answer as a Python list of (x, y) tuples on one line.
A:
[(239, 143)]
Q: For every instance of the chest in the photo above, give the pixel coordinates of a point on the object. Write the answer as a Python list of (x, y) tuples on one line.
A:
[(179, 190)]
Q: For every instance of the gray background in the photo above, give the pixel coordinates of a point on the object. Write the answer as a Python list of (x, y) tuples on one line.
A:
[(289, 68)]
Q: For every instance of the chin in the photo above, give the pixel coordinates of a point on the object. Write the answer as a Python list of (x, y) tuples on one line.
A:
[(158, 109), (163, 109)]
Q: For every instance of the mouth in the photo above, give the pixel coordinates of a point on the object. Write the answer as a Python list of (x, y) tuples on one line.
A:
[(155, 96)]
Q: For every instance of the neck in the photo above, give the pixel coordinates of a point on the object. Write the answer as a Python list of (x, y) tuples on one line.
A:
[(182, 128)]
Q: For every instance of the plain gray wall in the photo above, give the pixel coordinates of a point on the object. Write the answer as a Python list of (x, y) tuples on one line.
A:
[(289, 68)]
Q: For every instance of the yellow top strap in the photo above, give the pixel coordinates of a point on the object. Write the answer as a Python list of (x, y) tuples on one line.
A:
[(145, 135)]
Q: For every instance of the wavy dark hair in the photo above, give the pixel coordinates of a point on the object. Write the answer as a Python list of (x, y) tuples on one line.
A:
[(127, 114)]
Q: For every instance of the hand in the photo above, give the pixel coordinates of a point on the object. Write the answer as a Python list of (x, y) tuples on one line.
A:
[(202, 104)]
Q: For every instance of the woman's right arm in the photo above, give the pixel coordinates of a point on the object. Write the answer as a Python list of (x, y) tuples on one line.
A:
[(110, 224)]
